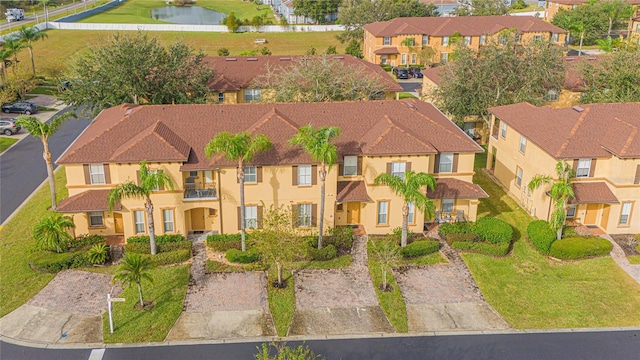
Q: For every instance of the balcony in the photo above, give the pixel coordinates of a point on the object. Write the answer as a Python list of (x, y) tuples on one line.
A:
[(192, 192)]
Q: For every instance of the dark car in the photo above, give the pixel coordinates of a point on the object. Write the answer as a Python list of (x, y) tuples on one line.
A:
[(416, 73), (8, 127), (401, 73), (21, 107)]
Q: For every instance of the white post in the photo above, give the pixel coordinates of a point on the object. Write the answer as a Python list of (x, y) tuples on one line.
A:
[(110, 316)]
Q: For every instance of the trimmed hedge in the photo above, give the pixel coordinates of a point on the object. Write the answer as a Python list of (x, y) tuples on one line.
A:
[(55, 262), (386, 67), (541, 235), (171, 257), (451, 238), (168, 252), (341, 238), (483, 248), (224, 242), (419, 248), (246, 257), (579, 248), (86, 240), (494, 230), (160, 239), (463, 227), (326, 253)]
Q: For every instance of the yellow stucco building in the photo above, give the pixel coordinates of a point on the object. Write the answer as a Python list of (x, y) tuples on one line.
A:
[(553, 6), (377, 136)]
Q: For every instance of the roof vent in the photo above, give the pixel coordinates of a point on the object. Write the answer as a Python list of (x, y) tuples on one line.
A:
[(231, 59), (570, 59), (591, 58), (411, 105), (338, 57), (578, 109), (285, 58), (252, 59), (128, 112)]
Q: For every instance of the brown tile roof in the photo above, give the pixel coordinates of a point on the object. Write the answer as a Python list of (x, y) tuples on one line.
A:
[(593, 192), (464, 25), (235, 73), (435, 74), (369, 127), (387, 51), (450, 188), (585, 131), (352, 191), (578, 2), (90, 200), (440, 2)]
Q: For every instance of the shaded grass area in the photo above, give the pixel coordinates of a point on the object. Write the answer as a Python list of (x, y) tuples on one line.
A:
[(44, 90), (19, 282), (167, 293), (6, 142), (532, 291), (282, 302)]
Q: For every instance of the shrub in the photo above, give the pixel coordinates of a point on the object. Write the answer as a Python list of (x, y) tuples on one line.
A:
[(145, 248), (463, 227), (568, 231), (419, 248), (98, 254), (482, 247), (386, 67), (541, 235), (451, 238), (326, 253), (342, 238), (494, 230), (246, 257), (54, 262), (160, 239), (224, 242), (170, 257), (579, 248), (87, 239), (638, 248)]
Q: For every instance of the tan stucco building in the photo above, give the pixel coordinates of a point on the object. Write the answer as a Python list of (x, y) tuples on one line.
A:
[(600, 141), (385, 42), (553, 6), (377, 137)]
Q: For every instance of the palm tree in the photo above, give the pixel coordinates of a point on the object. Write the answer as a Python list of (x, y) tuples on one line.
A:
[(44, 131), (132, 270), (28, 36), (52, 232), (240, 147), (150, 180), (578, 27), (5, 54), (561, 193), (411, 190), (14, 45), (318, 143)]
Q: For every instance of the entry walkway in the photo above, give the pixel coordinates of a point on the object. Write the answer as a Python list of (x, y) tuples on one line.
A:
[(618, 256)]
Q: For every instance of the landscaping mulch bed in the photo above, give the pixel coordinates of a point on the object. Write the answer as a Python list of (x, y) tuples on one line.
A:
[(625, 241)]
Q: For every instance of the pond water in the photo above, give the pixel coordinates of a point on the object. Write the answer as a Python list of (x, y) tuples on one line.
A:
[(189, 15)]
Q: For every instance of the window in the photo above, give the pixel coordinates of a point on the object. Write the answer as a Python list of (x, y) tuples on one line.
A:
[(350, 166), (554, 38), (398, 169), (340, 207), (625, 214), (444, 58), (537, 37), (414, 58), (252, 95), (571, 211), (208, 177), (383, 59), (502, 40), (503, 130), (445, 41), (251, 217), (584, 167), (387, 40), (304, 174), (304, 215), (411, 217), (138, 219), (467, 40), (383, 211), (446, 163), (483, 39), (250, 175), (220, 97), (193, 173), (404, 59), (447, 205), (425, 40), (96, 173), (518, 176), (167, 220), (518, 38), (523, 144), (552, 95), (95, 219)]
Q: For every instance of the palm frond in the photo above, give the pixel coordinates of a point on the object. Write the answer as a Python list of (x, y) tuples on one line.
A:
[(126, 190)]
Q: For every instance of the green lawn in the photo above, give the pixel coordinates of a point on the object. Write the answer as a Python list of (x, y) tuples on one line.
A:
[(634, 259), (167, 293), (6, 142), (282, 302), (139, 11), (532, 291), (19, 282)]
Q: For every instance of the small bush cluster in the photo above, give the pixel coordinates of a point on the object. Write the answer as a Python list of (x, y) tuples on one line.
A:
[(494, 230), (224, 242), (246, 257), (419, 248), (160, 239), (171, 257), (98, 254), (328, 252), (579, 247), (464, 227), (55, 262), (488, 236), (341, 238), (541, 235), (386, 67), (85, 240)]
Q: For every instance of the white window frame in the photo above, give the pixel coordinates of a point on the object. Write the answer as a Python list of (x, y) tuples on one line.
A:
[(383, 213), (304, 175), (139, 222), (553, 95), (403, 59), (467, 40), (502, 40), (555, 37), (523, 144), (96, 174), (444, 58), (425, 40), (304, 215), (386, 40), (208, 177), (251, 217), (398, 169), (483, 39), (411, 216), (252, 95), (625, 213), (584, 168), (350, 167), (518, 176), (168, 221), (96, 215), (571, 211), (383, 59), (537, 37), (250, 174), (414, 58), (448, 205), (445, 41), (503, 130), (446, 163)]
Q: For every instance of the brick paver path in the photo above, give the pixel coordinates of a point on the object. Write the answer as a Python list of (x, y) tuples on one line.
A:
[(618, 256)]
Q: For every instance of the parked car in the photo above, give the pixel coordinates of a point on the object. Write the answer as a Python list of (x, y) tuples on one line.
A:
[(400, 73), (21, 107), (8, 127), (416, 73)]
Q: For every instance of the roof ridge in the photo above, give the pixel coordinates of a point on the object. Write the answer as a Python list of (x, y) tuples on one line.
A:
[(161, 126), (632, 135), (435, 123), (134, 140), (575, 128), (268, 116), (393, 125)]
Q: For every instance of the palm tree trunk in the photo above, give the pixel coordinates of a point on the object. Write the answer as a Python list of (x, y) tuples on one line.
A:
[(581, 39), (4, 72), (140, 294), (46, 154), (15, 64), (384, 277), (610, 26), (33, 64), (323, 177), (242, 208), (152, 233), (405, 224), (279, 266)]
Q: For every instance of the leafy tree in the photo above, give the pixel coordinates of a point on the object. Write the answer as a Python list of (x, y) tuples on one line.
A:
[(28, 36), (588, 21), (52, 232), (265, 51), (231, 22), (150, 180), (331, 50), (616, 11), (413, 8), (412, 189), (311, 51), (472, 84), (44, 131), (137, 69), (318, 143), (482, 8), (608, 45), (317, 79), (223, 51), (614, 78), (386, 252), (426, 54), (354, 49), (5, 55), (133, 269), (561, 193), (240, 147), (14, 45), (519, 5), (316, 9)]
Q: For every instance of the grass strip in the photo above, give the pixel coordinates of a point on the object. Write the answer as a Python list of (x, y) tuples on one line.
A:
[(6, 142), (431, 259), (340, 262), (634, 259), (282, 302)]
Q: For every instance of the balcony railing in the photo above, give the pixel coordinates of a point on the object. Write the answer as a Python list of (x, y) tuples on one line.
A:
[(194, 193)]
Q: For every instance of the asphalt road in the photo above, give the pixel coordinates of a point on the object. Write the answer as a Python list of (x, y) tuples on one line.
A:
[(618, 345), (75, 7), (22, 168)]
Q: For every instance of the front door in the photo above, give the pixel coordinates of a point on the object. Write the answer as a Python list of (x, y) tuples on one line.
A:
[(197, 219), (353, 213), (605, 217), (590, 216), (117, 223)]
